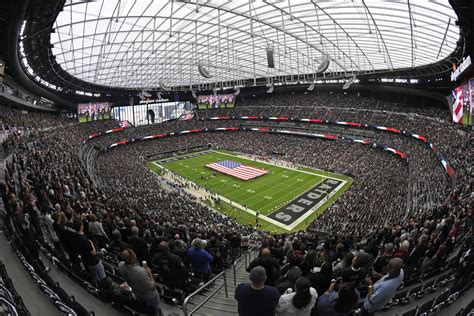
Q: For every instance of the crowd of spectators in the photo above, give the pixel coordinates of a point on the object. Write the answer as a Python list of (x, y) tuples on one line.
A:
[(387, 219)]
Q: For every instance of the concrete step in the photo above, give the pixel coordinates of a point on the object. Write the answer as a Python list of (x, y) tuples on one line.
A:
[(219, 304), (223, 301), (215, 311)]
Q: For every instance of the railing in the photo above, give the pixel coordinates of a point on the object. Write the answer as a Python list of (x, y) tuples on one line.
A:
[(203, 288), (247, 257)]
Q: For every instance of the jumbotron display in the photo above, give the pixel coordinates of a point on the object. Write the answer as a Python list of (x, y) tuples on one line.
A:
[(218, 101), (93, 111)]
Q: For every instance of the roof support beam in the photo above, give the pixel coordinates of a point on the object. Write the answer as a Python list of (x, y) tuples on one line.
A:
[(412, 38), (444, 38), (380, 34)]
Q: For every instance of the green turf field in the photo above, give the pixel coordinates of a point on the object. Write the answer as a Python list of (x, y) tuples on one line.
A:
[(83, 118), (264, 194)]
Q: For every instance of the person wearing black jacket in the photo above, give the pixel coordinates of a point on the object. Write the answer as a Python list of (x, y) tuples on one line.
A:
[(116, 246), (321, 280), (271, 265), (169, 267), (138, 244)]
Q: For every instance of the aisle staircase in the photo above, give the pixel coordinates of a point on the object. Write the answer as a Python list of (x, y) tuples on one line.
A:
[(217, 298)]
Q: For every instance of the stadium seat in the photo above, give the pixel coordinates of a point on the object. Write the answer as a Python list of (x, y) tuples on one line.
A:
[(441, 301), (79, 309), (414, 292), (400, 297), (440, 281), (411, 312), (428, 286), (469, 309)]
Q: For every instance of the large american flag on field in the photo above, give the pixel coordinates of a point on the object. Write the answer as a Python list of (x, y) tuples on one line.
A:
[(236, 169)]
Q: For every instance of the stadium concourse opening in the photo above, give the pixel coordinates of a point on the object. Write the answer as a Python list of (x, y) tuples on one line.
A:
[(269, 194)]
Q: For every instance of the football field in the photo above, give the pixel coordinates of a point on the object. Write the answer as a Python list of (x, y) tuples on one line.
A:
[(284, 199)]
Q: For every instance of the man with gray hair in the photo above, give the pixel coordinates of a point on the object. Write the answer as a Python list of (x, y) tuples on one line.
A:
[(380, 264), (383, 290), (256, 299), (200, 259)]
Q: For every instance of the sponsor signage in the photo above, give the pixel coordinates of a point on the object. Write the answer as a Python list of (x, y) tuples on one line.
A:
[(153, 101), (465, 64)]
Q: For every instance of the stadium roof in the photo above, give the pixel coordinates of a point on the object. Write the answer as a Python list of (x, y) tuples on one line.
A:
[(145, 43)]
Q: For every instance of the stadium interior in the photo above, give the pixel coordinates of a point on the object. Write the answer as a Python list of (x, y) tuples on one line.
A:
[(198, 157)]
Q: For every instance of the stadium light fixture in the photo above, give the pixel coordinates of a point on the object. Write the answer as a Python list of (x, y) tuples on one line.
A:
[(270, 87), (323, 66), (164, 86), (204, 72), (348, 83)]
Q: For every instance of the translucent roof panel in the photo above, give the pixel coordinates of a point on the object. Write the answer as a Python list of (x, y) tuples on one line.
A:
[(145, 43)]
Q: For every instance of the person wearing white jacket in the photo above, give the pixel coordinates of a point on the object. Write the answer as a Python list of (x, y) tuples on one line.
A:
[(300, 302)]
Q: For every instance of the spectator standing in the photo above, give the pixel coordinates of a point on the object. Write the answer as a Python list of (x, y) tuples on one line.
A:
[(383, 290), (141, 280), (271, 265), (337, 303), (116, 246), (139, 245), (256, 299), (87, 251), (200, 259), (97, 232), (300, 302)]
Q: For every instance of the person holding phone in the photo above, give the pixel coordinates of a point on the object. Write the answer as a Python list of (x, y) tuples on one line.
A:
[(383, 290), (339, 300), (140, 280)]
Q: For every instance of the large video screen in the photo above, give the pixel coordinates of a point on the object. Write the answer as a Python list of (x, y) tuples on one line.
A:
[(150, 113), (462, 105), (93, 111), (218, 101)]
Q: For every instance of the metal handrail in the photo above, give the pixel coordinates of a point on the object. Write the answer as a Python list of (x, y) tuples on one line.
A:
[(202, 288), (247, 257)]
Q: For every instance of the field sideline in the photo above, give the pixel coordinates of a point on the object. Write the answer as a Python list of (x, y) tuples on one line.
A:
[(267, 194)]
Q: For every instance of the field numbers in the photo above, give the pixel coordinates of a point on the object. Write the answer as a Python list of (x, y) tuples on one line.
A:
[(250, 191), (268, 197), (299, 180), (285, 176), (225, 181), (236, 185)]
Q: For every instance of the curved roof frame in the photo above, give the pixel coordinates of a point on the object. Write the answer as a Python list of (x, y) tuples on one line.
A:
[(139, 44)]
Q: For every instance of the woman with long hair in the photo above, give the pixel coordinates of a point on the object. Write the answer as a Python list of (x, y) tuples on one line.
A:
[(337, 303), (300, 302)]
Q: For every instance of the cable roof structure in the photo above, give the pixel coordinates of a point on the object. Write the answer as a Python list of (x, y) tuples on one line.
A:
[(145, 44)]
